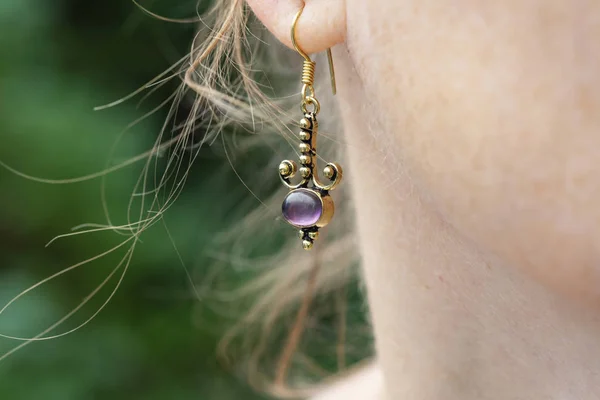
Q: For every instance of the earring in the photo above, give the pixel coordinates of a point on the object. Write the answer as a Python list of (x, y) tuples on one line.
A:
[(308, 205)]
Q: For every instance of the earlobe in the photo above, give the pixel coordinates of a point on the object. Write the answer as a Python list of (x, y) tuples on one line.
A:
[(323, 22)]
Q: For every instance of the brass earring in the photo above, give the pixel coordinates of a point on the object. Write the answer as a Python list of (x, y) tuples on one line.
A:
[(308, 205)]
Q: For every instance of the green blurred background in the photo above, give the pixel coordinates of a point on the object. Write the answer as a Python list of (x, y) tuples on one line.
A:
[(154, 340)]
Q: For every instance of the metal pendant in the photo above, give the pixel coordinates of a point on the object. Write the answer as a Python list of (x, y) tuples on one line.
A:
[(308, 206)]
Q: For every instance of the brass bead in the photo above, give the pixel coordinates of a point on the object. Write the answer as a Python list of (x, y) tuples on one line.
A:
[(313, 235), (304, 123), (284, 168), (305, 160), (305, 172), (301, 234), (304, 135), (329, 172), (304, 148), (307, 245), (287, 168)]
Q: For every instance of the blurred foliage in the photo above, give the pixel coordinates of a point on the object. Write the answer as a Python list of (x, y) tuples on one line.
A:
[(59, 60)]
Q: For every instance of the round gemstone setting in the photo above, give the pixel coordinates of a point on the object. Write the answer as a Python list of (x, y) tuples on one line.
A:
[(302, 207)]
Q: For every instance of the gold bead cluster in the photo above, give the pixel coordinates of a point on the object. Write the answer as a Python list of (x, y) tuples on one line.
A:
[(306, 157), (308, 244)]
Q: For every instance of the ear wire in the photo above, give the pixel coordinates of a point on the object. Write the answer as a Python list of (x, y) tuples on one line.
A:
[(308, 67)]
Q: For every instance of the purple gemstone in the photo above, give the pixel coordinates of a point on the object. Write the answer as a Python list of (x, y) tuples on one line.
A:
[(302, 208)]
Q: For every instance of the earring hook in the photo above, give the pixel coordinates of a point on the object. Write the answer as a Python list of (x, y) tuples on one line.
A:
[(306, 57)]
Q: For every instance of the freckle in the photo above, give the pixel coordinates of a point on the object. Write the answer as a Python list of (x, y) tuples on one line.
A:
[(427, 287), (441, 278)]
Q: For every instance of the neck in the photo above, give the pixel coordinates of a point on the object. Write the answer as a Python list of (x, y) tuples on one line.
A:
[(452, 322)]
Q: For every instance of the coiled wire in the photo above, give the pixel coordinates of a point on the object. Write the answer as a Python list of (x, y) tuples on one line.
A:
[(308, 72), (308, 91)]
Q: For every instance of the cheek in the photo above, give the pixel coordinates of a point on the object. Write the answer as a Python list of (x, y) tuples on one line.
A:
[(496, 110), (528, 195)]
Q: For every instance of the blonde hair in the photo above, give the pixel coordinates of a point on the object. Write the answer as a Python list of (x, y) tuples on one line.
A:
[(293, 293), (293, 286)]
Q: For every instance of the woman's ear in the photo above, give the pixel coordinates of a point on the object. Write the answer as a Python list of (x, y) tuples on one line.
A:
[(321, 25)]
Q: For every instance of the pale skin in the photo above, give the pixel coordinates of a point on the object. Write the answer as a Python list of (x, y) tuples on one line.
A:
[(473, 136)]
